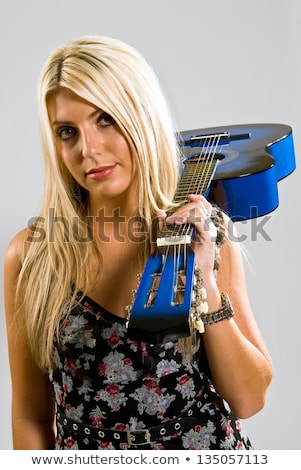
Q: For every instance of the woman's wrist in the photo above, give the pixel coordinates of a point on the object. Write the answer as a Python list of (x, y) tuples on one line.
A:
[(225, 312), (209, 305), (213, 294)]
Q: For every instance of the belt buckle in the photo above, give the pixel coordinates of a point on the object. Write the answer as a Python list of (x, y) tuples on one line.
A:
[(131, 437)]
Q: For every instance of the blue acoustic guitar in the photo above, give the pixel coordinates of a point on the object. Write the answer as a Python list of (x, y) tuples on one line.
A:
[(236, 168)]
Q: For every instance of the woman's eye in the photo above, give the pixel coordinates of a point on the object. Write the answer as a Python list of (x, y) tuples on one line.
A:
[(65, 133), (106, 120)]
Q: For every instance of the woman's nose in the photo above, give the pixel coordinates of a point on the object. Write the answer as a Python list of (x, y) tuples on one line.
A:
[(91, 144)]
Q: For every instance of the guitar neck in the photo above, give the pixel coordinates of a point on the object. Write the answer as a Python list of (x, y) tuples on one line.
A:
[(195, 179)]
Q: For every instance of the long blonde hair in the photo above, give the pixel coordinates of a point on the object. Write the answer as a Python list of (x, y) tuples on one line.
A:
[(114, 77)]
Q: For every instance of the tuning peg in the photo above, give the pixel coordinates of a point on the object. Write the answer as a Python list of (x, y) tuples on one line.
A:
[(199, 325), (128, 309)]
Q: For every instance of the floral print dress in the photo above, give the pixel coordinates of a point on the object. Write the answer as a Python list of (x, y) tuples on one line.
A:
[(106, 385)]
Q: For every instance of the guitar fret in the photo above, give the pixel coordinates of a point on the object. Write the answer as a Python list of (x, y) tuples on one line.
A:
[(195, 179)]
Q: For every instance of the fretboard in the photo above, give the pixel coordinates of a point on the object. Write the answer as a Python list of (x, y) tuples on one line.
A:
[(195, 179)]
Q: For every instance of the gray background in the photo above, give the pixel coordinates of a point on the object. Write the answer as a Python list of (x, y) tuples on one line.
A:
[(220, 62)]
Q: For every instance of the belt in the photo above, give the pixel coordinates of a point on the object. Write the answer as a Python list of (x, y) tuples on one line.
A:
[(183, 422)]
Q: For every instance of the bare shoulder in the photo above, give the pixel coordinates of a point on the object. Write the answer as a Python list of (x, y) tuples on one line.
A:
[(16, 249), (13, 259)]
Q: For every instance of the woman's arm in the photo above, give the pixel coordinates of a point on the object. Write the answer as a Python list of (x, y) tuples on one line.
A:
[(239, 362), (32, 400)]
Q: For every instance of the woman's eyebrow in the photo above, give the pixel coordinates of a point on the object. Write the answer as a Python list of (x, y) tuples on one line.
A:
[(71, 123)]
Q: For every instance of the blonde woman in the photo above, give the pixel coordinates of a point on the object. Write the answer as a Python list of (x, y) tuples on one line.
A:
[(111, 168)]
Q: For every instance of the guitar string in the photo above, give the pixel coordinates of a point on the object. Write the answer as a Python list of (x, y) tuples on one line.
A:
[(201, 175), (207, 154)]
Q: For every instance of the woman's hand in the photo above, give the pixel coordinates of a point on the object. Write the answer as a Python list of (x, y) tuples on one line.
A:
[(198, 212)]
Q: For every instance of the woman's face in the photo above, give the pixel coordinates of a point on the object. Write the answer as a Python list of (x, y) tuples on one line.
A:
[(92, 148)]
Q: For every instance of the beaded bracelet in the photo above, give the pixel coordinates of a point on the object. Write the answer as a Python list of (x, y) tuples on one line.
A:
[(200, 315)]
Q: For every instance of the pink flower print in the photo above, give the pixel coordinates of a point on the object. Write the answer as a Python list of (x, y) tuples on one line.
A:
[(238, 425), (96, 421), (151, 384), (71, 366), (120, 427), (113, 340), (128, 362), (144, 350), (66, 324), (112, 390), (228, 429), (70, 443), (88, 307), (104, 444), (184, 379), (102, 369)]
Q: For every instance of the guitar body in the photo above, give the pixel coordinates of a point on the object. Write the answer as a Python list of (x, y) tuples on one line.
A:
[(245, 182), (241, 179)]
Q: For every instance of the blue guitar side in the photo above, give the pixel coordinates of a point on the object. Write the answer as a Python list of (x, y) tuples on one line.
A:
[(245, 184)]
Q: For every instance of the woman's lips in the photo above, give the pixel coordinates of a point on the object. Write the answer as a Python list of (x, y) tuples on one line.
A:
[(101, 172)]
